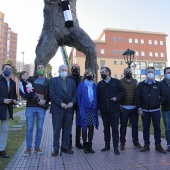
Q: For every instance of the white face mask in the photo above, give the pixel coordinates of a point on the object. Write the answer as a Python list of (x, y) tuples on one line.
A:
[(63, 73), (150, 75)]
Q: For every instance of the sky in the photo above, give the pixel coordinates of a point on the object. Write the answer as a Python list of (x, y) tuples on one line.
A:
[(26, 19)]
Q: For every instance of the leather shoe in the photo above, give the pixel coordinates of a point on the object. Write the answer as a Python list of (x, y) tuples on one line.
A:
[(55, 153), (3, 154), (160, 149), (122, 146), (68, 151), (116, 151), (145, 148), (106, 148)]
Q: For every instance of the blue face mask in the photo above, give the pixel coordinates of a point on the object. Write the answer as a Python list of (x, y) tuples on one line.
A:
[(168, 76), (7, 73)]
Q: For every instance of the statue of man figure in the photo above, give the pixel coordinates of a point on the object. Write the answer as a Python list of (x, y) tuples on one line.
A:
[(55, 34)]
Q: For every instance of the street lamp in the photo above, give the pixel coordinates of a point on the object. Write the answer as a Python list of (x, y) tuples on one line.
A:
[(129, 57), (23, 60)]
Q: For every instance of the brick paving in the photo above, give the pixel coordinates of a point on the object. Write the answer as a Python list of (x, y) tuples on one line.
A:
[(129, 159)]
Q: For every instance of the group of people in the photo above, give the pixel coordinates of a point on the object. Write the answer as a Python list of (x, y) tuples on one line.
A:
[(117, 101)]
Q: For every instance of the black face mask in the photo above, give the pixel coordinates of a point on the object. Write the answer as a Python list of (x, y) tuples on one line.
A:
[(75, 71), (89, 77), (103, 76), (128, 75)]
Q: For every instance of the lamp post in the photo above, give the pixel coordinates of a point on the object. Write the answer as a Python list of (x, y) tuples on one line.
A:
[(23, 60), (129, 57)]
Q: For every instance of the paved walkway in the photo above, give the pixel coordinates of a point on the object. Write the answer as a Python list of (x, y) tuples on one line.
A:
[(130, 159)]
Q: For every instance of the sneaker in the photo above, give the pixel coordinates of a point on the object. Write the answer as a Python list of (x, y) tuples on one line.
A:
[(38, 151), (145, 148), (137, 145), (160, 149), (27, 152)]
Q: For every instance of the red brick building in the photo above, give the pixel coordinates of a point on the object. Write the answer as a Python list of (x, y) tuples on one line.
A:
[(150, 48)]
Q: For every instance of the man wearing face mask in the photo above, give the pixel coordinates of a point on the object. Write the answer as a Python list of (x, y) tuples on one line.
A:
[(63, 95), (75, 70), (129, 110), (149, 96), (110, 92), (8, 97), (36, 109), (165, 107)]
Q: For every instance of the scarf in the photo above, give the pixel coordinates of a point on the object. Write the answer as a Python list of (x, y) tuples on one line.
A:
[(89, 85), (67, 13)]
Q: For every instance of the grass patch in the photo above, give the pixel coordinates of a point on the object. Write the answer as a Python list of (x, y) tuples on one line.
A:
[(18, 109), (15, 140), (151, 127)]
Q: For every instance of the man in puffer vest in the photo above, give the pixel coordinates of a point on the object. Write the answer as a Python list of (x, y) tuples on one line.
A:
[(129, 110)]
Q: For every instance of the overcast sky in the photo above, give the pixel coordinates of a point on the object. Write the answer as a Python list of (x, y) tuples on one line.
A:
[(26, 19)]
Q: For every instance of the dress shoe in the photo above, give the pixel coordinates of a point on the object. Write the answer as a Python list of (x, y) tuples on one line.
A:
[(160, 149), (137, 145), (116, 151), (145, 148), (67, 150), (3, 154), (106, 148), (122, 146), (79, 145), (55, 153)]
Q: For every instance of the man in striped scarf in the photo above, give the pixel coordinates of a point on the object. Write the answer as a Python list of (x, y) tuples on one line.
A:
[(61, 27)]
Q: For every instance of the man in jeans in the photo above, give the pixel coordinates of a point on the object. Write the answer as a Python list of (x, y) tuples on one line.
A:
[(36, 109), (8, 97), (166, 105), (129, 110), (149, 96)]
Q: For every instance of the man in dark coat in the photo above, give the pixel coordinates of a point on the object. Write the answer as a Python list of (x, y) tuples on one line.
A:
[(62, 92), (110, 91), (75, 70), (8, 97)]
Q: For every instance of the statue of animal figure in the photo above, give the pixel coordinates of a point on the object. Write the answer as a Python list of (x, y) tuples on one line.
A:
[(55, 34)]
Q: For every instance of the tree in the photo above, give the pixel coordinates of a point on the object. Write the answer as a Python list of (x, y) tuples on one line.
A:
[(49, 71)]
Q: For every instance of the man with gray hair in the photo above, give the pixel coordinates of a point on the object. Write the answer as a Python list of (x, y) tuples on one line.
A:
[(63, 96)]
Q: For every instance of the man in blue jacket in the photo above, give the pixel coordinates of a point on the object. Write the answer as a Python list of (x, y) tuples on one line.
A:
[(8, 97), (149, 96), (165, 107), (110, 91)]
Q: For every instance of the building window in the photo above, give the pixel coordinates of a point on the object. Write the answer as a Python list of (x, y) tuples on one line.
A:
[(114, 38), (121, 39), (142, 54), (137, 53), (115, 62), (114, 51), (142, 41), (150, 42), (150, 54), (136, 41), (115, 75), (156, 54), (161, 43), (121, 51), (102, 63), (121, 62), (155, 42), (130, 40), (102, 51), (162, 54)]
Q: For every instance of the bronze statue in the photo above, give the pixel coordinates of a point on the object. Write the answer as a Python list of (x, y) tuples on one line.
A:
[(55, 34)]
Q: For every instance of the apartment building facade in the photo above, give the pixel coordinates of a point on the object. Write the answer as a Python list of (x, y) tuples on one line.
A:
[(149, 47)]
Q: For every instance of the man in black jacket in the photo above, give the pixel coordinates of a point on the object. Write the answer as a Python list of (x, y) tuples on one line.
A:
[(75, 70), (165, 107), (149, 96), (8, 97), (110, 91)]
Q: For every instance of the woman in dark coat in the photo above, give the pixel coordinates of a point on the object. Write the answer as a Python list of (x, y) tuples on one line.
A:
[(87, 116)]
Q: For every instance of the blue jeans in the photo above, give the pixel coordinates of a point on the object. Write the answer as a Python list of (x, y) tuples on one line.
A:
[(166, 119), (111, 119), (146, 120), (31, 113), (125, 115)]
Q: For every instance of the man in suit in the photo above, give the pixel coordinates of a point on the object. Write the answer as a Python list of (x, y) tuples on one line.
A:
[(8, 97), (62, 92)]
